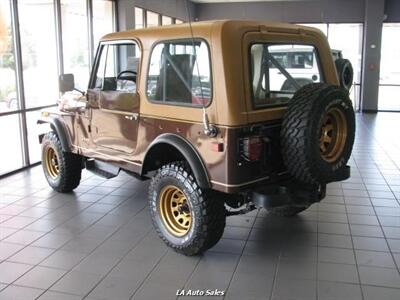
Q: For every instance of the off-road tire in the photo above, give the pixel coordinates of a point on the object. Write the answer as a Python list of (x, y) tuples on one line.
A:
[(69, 164), (208, 212), (287, 211), (301, 130), (345, 73)]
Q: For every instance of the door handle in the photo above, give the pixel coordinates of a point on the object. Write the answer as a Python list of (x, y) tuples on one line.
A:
[(134, 116)]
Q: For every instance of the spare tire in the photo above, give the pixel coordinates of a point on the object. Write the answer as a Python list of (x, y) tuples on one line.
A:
[(317, 134), (345, 73)]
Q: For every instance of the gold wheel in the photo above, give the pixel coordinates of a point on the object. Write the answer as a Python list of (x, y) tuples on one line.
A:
[(52, 163), (333, 135), (175, 210)]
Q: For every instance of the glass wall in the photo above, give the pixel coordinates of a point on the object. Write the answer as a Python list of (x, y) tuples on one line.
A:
[(152, 19), (103, 20), (30, 63), (139, 23), (166, 20), (11, 156), (75, 40), (389, 79), (39, 52), (8, 92), (348, 38), (146, 18)]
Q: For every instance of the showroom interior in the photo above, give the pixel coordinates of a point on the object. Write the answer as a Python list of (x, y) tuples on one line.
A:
[(98, 242)]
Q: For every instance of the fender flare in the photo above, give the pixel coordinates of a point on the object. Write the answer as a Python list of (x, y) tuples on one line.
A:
[(188, 152), (57, 126)]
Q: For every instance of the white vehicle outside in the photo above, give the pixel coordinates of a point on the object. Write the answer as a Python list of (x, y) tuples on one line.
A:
[(299, 61)]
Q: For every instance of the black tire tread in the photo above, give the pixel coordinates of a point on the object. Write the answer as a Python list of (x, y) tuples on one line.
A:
[(71, 170), (294, 133), (211, 210)]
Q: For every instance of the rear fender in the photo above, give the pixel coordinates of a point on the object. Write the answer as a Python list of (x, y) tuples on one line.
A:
[(183, 150)]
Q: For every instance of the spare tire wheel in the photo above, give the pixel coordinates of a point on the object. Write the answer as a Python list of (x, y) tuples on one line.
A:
[(317, 133), (345, 73)]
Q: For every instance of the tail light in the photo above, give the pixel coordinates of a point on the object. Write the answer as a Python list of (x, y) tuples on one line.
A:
[(251, 148)]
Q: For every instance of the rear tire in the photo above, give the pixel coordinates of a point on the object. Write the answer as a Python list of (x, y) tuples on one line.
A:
[(62, 169), (187, 218)]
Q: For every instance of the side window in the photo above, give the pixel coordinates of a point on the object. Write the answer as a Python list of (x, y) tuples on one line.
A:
[(279, 70), (180, 73), (100, 69), (118, 68)]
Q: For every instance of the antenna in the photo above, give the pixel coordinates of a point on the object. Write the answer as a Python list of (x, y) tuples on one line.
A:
[(209, 129)]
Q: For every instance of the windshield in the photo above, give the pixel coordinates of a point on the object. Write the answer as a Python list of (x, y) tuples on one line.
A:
[(279, 70)]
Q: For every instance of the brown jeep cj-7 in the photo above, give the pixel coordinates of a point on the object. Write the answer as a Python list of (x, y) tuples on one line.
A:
[(219, 114)]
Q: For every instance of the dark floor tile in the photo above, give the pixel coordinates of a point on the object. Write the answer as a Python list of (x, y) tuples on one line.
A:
[(294, 289), (338, 291), (212, 275), (8, 249), (40, 277), (10, 271), (361, 210), (31, 255), (300, 252), (391, 232), (366, 230), (336, 255), (394, 245), (62, 259), (337, 272), (374, 258), (50, 295), (23, 237), (333, 228), (379, 276), (170, 274), (292, 268), (381, 293), (237, 233), (77, 283), (363, 219), (333, 240), (229, 246), (369, 243), (13, 292), (249, 286)]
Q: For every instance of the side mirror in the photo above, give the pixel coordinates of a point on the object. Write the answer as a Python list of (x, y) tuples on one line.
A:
[(66, 82)]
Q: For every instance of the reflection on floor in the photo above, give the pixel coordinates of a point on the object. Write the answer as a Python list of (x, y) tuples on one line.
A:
[(98, 243)]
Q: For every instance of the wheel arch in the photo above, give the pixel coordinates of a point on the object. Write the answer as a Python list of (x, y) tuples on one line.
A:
[(57, 126), (169, 147)]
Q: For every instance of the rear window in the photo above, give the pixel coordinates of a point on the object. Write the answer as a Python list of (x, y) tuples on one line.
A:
[(180, 73), (279, 70)]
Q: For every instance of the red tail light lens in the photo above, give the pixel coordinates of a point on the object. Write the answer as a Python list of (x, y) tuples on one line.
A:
[(252, 148)]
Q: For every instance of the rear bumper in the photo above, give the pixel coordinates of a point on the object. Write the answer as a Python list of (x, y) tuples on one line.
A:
[(287, 194), (291, 193)]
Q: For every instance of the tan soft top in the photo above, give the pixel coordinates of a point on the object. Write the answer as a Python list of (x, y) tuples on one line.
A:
[(183, 30), (228, 40)]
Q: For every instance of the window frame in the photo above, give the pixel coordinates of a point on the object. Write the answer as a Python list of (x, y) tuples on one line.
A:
[(99, 51), (252, 98), (190, 39)]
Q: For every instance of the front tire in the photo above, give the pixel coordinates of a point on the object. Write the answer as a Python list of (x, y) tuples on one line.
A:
[(61, 169), (186, 217)]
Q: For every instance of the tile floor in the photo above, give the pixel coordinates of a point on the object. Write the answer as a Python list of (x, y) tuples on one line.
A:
[(98, 243)]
